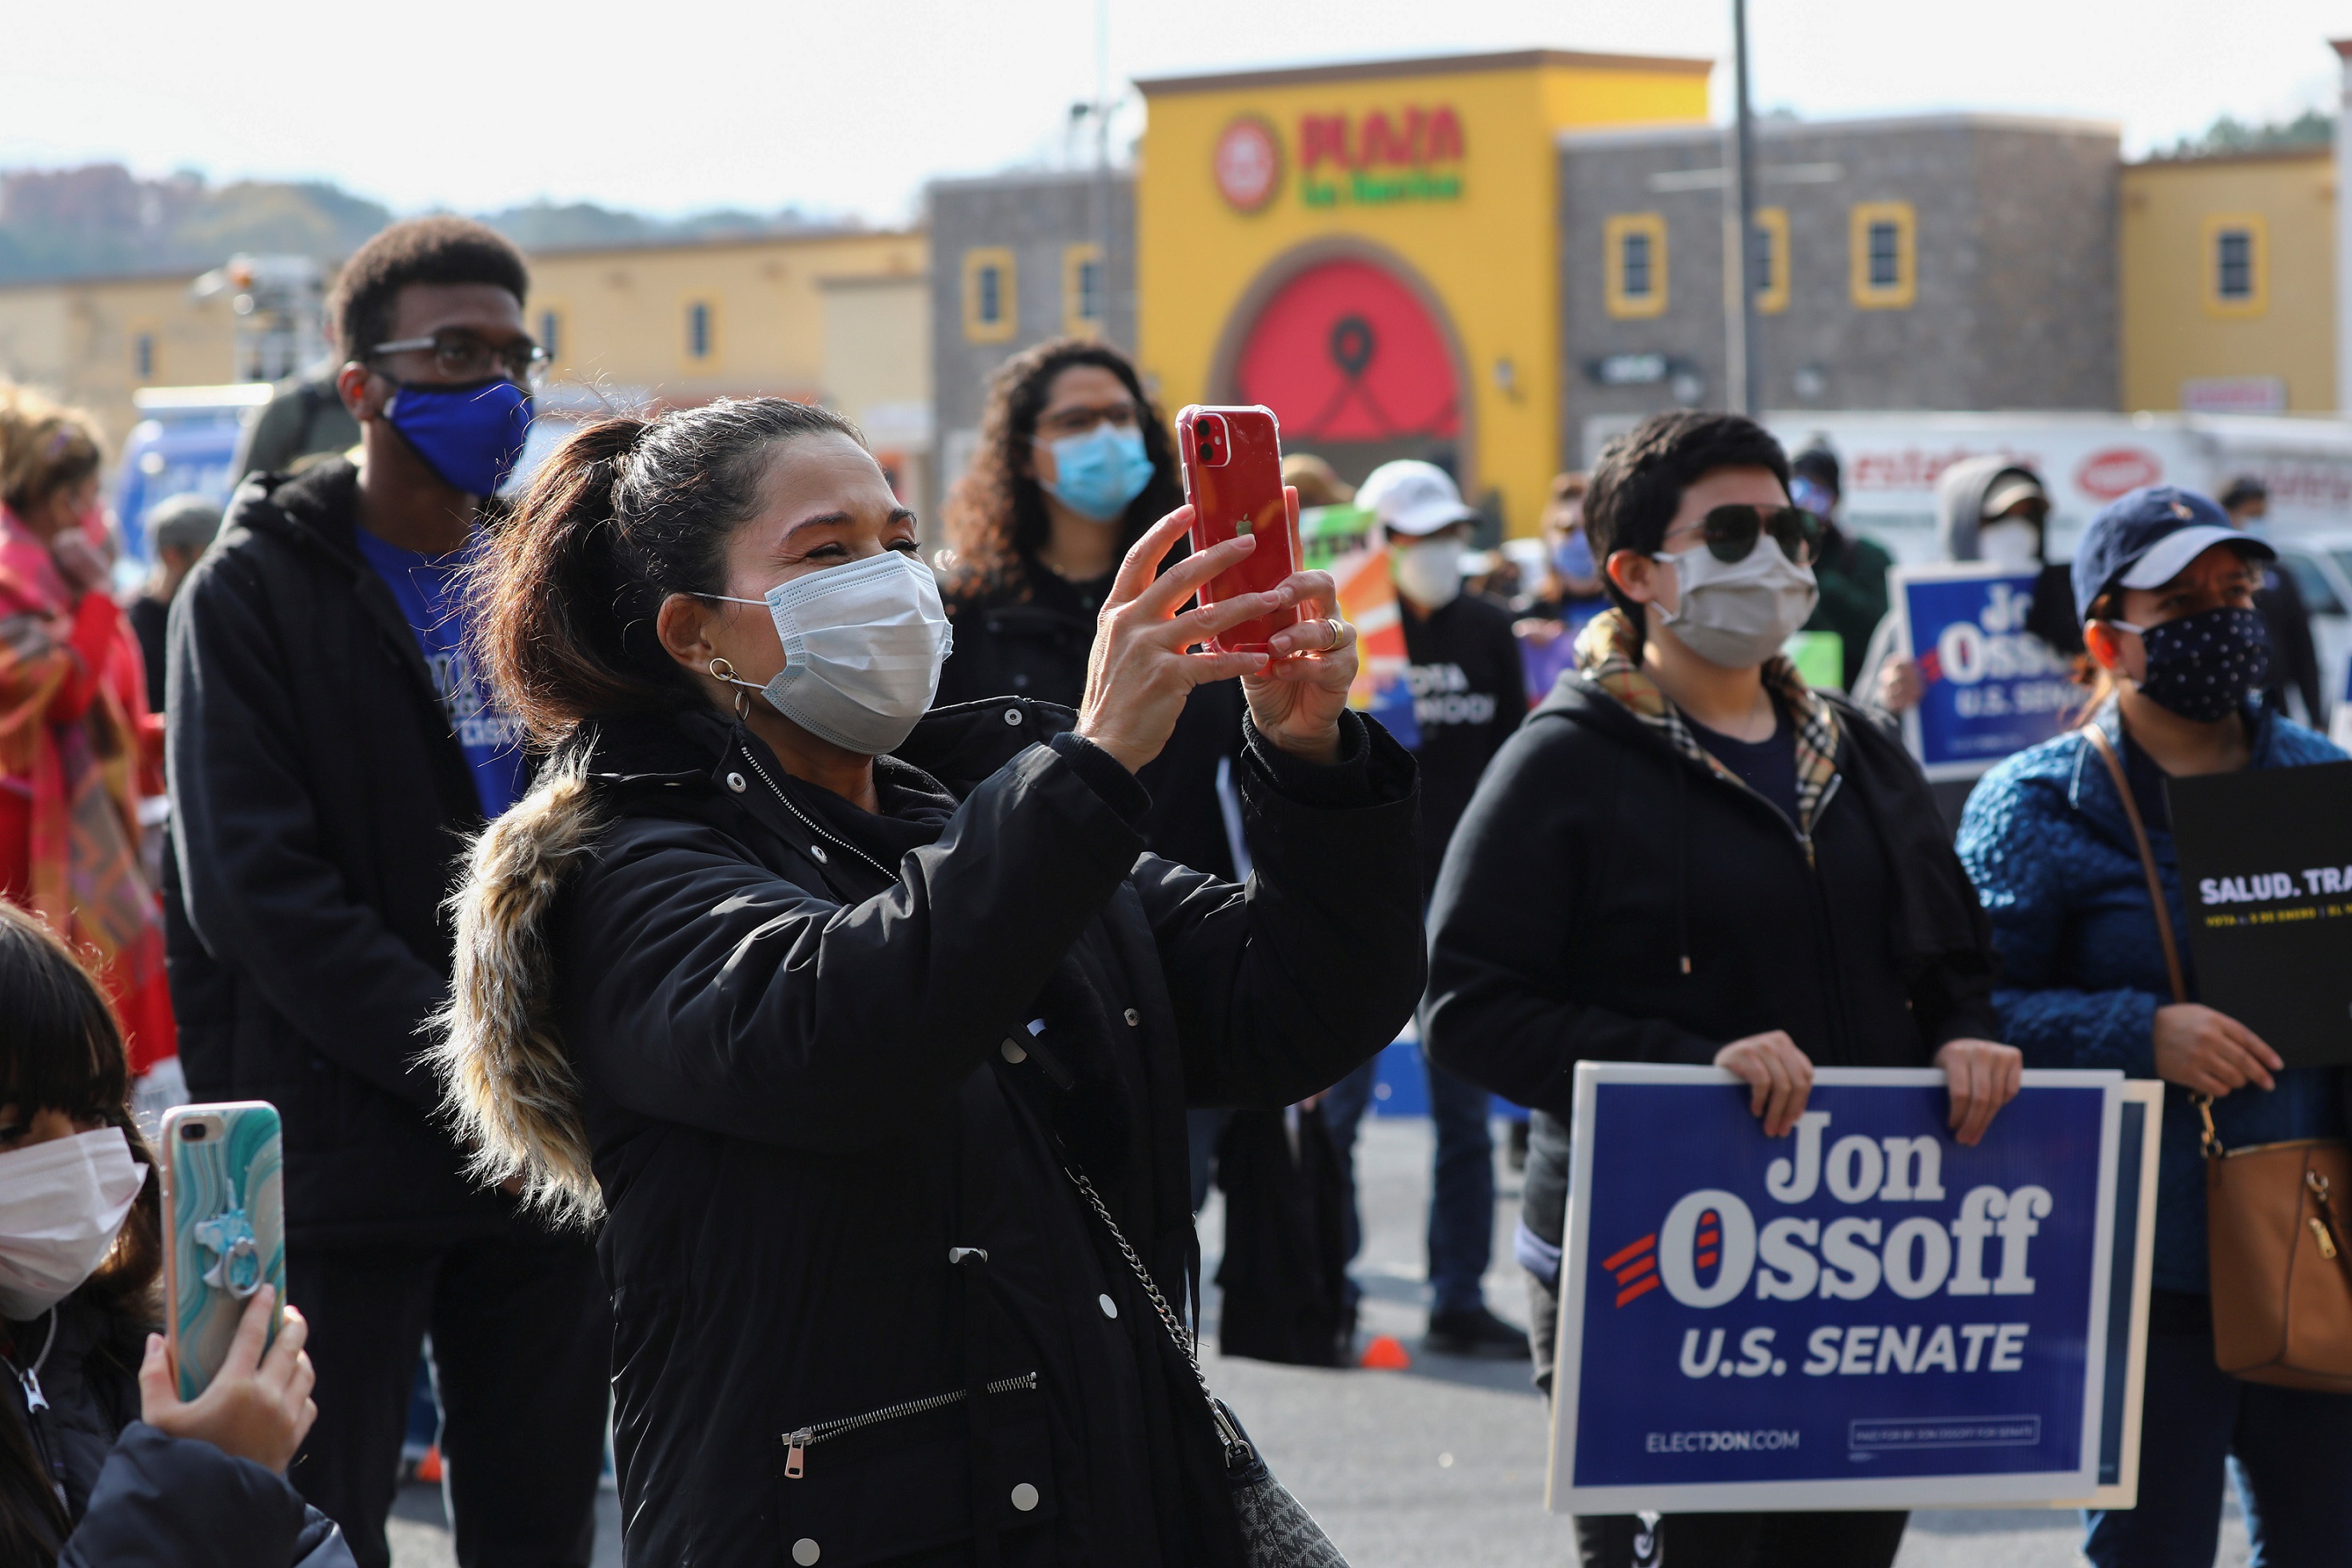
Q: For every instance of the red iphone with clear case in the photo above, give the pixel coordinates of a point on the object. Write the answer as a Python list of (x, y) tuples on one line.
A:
[(1231, 459)]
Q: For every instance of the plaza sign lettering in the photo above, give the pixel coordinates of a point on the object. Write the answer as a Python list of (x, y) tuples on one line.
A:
[(1410, 154)]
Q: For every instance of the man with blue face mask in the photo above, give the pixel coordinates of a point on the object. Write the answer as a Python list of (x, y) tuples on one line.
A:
[(331, 746)]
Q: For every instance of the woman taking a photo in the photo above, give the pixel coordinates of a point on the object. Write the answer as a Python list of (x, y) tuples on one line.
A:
[(2164, 588), (1075, 466), (823, 1006)]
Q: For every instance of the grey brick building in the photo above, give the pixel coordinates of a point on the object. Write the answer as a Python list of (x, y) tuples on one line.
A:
[(1957, 261), (1015, 259)]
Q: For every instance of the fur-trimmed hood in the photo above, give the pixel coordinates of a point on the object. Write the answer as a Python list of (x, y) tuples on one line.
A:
[(508, 1085), (508, 1089)]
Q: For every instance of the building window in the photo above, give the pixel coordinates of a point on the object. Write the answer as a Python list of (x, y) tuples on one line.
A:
[(1082, 290), (2237, 264), (142, 356), (1884, 259), (1633, 265), (989, 313), (701, 331), (550, 333), (1772, 265)]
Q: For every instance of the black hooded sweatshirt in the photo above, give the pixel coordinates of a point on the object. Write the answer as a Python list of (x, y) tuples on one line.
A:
[(319, 809), (1609, 899)]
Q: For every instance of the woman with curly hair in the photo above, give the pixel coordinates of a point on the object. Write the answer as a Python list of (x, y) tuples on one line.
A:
[(1075, 463), (79, 748)]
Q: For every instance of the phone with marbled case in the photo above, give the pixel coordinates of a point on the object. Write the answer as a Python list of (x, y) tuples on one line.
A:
[(224, 1229)]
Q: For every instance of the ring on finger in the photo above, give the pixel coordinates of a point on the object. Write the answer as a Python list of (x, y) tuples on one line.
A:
[(1338, 630)]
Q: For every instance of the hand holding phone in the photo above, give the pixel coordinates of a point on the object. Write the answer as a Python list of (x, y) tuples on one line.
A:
[(257, 1406), (224, 1231), (1232, 461)]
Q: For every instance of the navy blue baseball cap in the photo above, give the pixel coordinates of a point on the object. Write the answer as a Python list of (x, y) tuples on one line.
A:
[(2146, 538)]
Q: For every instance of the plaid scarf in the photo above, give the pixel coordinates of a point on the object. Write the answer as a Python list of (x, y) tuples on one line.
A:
[(1609, 655)]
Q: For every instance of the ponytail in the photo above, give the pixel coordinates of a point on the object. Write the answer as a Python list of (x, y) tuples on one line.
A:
[(622, 515)]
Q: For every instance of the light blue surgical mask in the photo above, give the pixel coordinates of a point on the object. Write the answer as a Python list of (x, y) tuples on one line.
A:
[(1098, 474)]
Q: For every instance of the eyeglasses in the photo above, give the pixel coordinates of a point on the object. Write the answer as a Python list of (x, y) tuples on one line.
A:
[(1059, 422), (1731, 532), (466, 357)]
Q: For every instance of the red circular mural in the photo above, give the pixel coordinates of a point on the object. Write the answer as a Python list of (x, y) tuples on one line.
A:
[(1345, 351)]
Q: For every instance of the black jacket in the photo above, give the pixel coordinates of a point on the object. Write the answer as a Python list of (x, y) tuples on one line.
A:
[(1031, 640), (1469, 693), (805, 1045), (137, 1498), (2295, 659), (1595, 856), (320, 802)]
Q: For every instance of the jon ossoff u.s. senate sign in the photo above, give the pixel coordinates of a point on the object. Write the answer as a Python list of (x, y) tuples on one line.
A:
[(1863, 1313)]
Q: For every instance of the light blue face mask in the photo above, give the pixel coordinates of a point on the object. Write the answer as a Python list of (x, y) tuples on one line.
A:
[(1098, 474)]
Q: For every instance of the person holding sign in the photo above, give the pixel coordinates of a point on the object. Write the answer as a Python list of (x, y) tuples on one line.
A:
[(2165, 589), (1686, 855)]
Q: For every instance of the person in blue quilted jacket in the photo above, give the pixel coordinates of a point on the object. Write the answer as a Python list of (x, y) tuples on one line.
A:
[(2176, 655)]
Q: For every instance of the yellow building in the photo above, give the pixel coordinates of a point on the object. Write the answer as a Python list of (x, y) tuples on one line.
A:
[(2227, 274), (94, 342), (1374, 250), (668, 324), (686, 323)]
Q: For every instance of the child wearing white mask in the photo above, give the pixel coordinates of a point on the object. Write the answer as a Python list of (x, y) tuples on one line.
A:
[(100, 1461)]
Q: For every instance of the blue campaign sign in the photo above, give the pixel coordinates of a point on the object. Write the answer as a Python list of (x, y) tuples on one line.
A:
[(1862, 1314), (1991, 688)]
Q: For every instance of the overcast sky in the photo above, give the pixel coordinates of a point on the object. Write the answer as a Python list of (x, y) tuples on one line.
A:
[(850, 104)]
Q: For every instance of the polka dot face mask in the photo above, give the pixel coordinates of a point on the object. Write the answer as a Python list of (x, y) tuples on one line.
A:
[(2201, 666)]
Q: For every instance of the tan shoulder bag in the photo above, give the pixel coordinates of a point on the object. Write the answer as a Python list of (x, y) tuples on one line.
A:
[(2280, 1258)]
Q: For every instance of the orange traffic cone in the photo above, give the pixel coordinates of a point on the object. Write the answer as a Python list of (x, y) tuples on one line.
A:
[(1385, 1354), (428, 1469)]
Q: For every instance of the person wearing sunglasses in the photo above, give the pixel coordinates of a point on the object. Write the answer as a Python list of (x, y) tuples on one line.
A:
[(1685, 855), (331, 748)]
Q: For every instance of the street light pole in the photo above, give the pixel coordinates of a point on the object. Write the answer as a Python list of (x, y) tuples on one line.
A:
[(1105, 225), (1743, 378)]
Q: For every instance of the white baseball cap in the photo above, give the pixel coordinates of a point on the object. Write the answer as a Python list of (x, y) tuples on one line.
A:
[(1412, 498)]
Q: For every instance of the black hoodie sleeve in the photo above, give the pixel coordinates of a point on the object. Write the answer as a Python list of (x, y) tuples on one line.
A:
[(1283, 986), (175, 1502), (1502, 1008), (261, 888)]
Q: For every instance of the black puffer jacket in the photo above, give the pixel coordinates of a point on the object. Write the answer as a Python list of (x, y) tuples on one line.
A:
[(1597, 858), (810, 1051), (319, 804), (139, 1498)]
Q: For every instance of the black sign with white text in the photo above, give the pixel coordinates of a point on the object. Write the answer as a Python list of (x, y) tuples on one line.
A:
[(2266, 874)]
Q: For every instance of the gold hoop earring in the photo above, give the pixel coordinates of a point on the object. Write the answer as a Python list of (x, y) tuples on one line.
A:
[(720, 669)]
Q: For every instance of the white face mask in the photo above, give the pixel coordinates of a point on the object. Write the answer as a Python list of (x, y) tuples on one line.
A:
[(863, 647), (61, 1203), (1737, 613), (2011, 542), (1430, 573)]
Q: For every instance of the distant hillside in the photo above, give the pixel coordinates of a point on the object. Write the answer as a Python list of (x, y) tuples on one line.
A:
[(546, 225), (102, 221), (2226, 136)]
